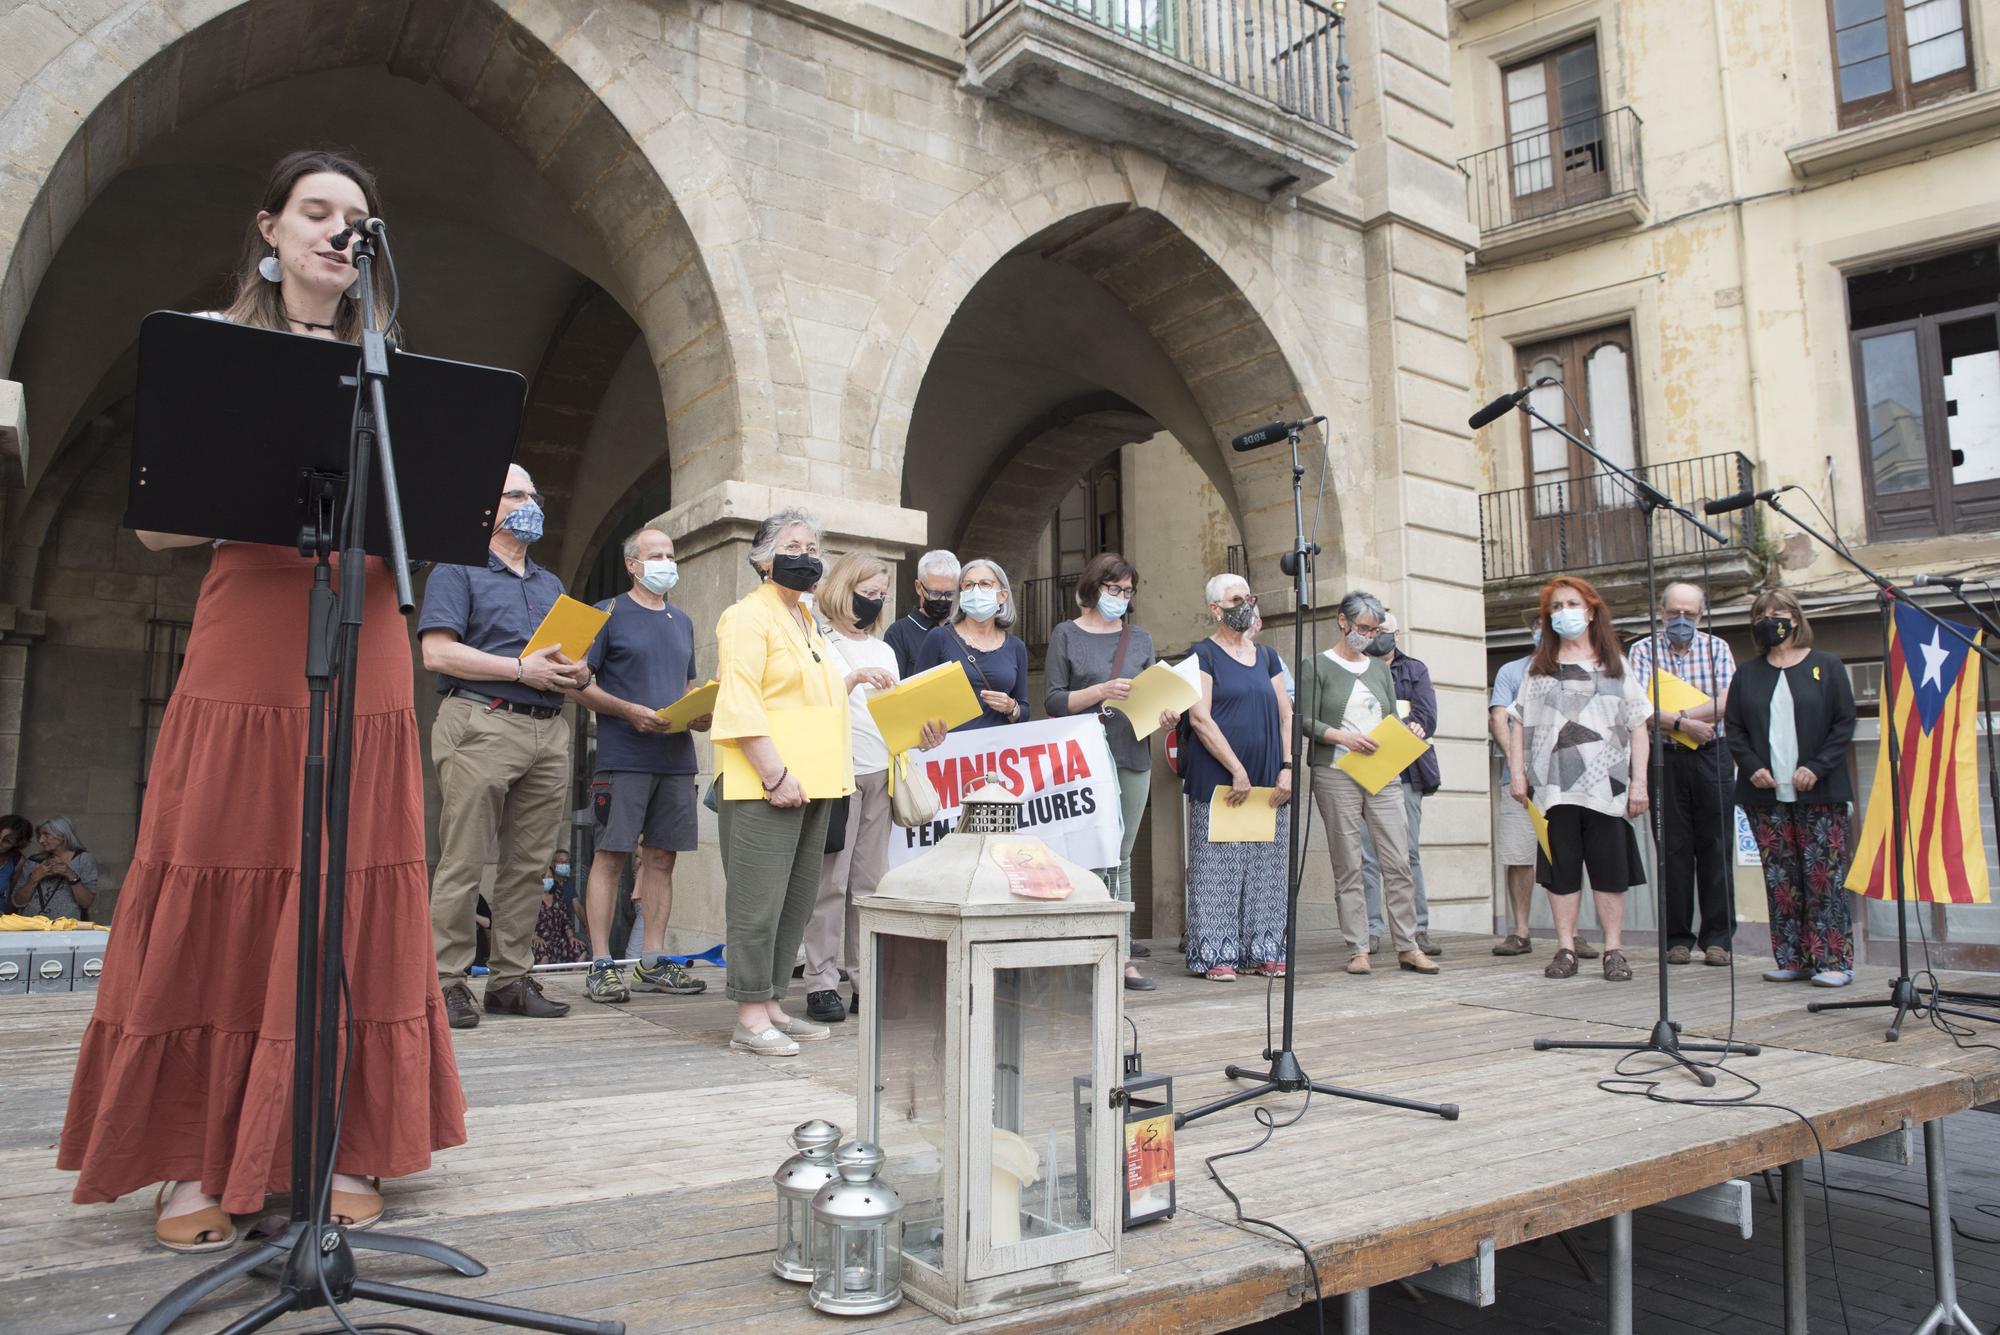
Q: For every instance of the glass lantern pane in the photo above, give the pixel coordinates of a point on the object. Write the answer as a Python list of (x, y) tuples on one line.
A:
[(911, 1077), (1043, 1039)]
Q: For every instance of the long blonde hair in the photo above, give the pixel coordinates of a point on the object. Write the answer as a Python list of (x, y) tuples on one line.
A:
[(259, 301), (837, 586)]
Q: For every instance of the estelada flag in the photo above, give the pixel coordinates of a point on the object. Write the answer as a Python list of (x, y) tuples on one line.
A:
[(1935, 681)]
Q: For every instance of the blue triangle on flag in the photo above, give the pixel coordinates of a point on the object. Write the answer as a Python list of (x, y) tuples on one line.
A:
[(1933, 656)]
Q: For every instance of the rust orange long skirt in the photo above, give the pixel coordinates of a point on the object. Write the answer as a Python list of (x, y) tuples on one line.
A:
[(185, 1072)]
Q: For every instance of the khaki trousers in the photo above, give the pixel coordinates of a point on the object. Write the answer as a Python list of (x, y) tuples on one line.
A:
[(503, 781), (1344, 807), (771, 861), (833, 937)]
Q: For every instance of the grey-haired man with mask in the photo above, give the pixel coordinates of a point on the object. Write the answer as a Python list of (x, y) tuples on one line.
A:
[(937, 590), (1696, 793), (642, 786), (501, 747), (1417, 702)]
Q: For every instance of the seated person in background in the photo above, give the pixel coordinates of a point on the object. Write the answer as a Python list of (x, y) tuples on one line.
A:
[(15, 832), (62, 881)]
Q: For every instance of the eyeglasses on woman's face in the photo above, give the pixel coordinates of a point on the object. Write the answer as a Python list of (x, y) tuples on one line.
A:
[(1117, 590), (990, 585), (1239, 600)]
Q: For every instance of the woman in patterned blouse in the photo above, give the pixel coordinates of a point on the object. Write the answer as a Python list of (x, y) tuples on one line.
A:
[(1580, 756)]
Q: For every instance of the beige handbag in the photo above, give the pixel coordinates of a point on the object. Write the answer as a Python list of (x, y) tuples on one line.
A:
[(912, 800)]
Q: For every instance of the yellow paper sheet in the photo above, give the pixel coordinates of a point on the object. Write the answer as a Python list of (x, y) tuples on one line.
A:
[(1396, 748), (695, 704), (1255, 822), (571, 626), (1541, 824), (943, 692), (1159, 688), (814, 743), (1675, 697)]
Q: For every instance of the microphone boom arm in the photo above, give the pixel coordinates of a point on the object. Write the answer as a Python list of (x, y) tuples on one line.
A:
[(1645, 492)]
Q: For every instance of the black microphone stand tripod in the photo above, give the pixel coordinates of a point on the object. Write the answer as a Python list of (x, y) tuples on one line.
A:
[(1903, 996), (1665, 1037), (1285, 1075), (312, 1260)]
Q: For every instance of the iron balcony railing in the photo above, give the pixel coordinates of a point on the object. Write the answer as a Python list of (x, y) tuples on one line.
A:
[(1290, 53), (1546, 171), (1041, 605), (1586, 522)]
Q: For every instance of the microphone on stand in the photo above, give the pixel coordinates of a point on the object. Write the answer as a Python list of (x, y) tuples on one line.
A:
[(1506, 403), (339, 239), (1257, 437), (1741, 500), (1952, 582)]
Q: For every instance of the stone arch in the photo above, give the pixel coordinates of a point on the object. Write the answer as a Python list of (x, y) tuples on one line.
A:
[(1185, 260), (559, 82)]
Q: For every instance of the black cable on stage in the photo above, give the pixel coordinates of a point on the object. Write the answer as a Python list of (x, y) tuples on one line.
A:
[(1635, 1083), (1271, 1125)]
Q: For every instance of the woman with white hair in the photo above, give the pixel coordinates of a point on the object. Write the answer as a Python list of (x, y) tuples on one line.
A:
[(1236, 891), (772, 656), (62, 882), (976, 635)]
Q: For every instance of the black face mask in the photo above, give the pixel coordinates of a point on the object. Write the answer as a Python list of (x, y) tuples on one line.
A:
[(866, 610), (795, 572), (937, 609), (1771, 631)]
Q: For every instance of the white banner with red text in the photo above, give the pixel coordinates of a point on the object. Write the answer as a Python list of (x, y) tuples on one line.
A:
[(1060, 768)]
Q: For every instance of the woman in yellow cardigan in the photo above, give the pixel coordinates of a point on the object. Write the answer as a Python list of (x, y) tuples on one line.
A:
[(772, 657)]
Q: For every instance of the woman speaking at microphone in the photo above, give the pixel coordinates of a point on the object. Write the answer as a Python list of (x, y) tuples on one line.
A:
[(185, 1076)]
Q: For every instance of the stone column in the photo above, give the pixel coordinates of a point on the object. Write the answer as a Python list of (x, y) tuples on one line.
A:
[(1424, 527), (19, 629)]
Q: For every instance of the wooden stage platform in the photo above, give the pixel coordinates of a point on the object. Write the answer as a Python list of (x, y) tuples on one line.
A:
[(619, 1159)]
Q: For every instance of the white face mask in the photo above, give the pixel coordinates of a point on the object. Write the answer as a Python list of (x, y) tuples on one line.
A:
[(660, 576)]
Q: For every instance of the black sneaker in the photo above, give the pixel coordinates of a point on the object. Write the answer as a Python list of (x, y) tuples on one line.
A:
[(854, 1006), (603, 983), (825, 1007)]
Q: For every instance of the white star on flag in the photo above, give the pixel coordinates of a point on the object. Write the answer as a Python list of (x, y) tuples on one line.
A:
[(1935, 658)]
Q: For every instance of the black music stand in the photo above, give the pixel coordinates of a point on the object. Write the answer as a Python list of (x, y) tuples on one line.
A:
[(259, 436)]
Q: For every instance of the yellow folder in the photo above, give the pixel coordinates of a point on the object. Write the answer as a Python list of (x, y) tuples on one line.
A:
[(943, 692), (1159, 688), (1396, 748), (1676, 696), (1255, 822), (693, 705), (570, 626), (813, 741), (1541, 824)]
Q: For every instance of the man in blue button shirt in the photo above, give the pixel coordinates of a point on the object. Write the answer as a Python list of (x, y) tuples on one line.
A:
[(642, 786), (501, 746)]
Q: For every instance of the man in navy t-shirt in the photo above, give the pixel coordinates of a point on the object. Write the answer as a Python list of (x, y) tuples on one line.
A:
[(642, 786)]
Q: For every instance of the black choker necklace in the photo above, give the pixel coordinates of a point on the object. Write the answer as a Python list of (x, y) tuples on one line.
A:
[(307, 323)]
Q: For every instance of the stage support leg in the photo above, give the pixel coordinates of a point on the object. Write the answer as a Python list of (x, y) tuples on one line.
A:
[(1793, 1175), (1621, 1273), (1947, 1315), (1354, 1312)]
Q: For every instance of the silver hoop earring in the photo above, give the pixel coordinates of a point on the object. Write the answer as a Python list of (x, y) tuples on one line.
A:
[(269, 269)]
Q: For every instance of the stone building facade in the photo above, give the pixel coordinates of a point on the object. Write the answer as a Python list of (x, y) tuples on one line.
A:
[(1755, 242), (916, 266)]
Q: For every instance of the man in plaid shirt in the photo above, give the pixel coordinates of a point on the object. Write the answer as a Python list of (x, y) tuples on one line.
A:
[(1695, 792)]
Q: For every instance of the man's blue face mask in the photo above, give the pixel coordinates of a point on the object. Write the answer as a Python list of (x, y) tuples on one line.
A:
[(524, 521)]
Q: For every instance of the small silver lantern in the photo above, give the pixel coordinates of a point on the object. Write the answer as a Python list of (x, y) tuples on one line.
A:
[(798, 1180), (857, 1237)]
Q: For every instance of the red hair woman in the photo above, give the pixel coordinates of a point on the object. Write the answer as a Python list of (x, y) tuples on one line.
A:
[(1580, 755)]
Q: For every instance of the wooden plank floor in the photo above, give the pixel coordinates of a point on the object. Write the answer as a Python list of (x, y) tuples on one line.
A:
[(619, 1159)]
